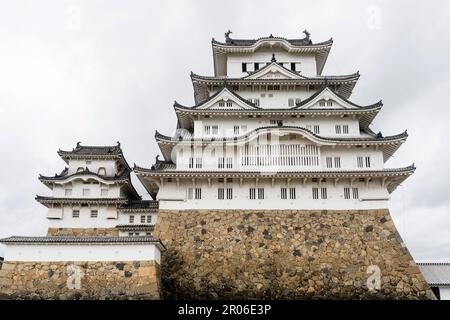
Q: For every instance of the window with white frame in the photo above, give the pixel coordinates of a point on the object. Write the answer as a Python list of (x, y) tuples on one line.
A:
[(355, 193), (75, 213), (346, 193), (290, 102), (315, 193), (323, 193), (221, 162), (260, 193), (215, 130), (94, 213), (292, 194), (367, 162), (236, 130), (345, 129), (142, 219), (207, 129), (337, 162), (229, 193), (322, 103), (229, 162), (316, 129), (221, 104), (329, 103), (149, 219), (360, 162), (191, 162), (337, 129), (221, 193), (252, 193), (198, 162), (329, 161), (131, 219), (283, 193), (198, 193)]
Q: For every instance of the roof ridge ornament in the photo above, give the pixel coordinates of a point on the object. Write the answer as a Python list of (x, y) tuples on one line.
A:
[(307, 34), (273, 58), (227, 36)]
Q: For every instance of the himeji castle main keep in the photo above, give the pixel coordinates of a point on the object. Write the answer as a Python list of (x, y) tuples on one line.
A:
[(273, 185)]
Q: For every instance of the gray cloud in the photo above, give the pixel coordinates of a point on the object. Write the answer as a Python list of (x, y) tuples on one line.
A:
[(113, 74)]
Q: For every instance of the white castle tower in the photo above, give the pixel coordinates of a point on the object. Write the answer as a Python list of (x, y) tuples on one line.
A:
[(269, 131), (94, 195)]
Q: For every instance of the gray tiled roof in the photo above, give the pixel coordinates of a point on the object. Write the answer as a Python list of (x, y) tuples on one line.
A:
[(140, 205), (93, 150), (436, 274), (78, 240)]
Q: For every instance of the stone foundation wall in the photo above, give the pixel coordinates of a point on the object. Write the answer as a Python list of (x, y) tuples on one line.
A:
[(286, 255), (88, 232), (98, 280)]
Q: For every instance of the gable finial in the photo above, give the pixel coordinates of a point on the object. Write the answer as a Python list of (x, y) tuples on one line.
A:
[(307, 34), (227, 35), (118, 144), (273, 58), (78, 144)]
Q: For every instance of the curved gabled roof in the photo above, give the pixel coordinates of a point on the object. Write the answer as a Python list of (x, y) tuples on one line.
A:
[(94, 152), (123, 177), (221, 49), (225, 89), (390, 144), (344, 83)]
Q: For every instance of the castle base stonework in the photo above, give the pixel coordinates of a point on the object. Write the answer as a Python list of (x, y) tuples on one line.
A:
[(80, 280), (286, 254)]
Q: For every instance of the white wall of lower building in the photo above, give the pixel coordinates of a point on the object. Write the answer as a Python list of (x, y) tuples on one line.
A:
[(82, 252), (370, 196), (444, 293), (107, 217)]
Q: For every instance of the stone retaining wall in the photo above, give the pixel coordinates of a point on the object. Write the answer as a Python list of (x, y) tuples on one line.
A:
[(80, 232), (283, 254), (97, 280)]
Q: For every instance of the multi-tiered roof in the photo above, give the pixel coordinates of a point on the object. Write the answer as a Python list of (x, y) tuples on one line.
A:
[(208, 90)]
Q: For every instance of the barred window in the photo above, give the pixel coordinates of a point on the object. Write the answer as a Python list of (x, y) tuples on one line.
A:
[(292, 194), (323, 193), (316, 129), (221, 163), (131, 219), (198, 193), (290, 102), (367, 162), (329, 161), (337, 162), (337, 129), (252, 194), (283, 193), (142, 219), (229, 162), (75, 213), (260, 193), (208, 130), (149, 219), (191, 162), (215, 130), (220, 193), (94, 213), (355, 193), (229, 193), (236, 130), (360, 162), (315, 193), (198, 163), (345, 129), (346, 193)]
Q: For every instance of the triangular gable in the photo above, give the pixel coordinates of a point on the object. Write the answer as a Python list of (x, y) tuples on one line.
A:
[(274, 70), (327, 99), (226, 99)]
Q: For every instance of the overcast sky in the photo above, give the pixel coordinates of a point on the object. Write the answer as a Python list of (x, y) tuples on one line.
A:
[(103, 71)]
